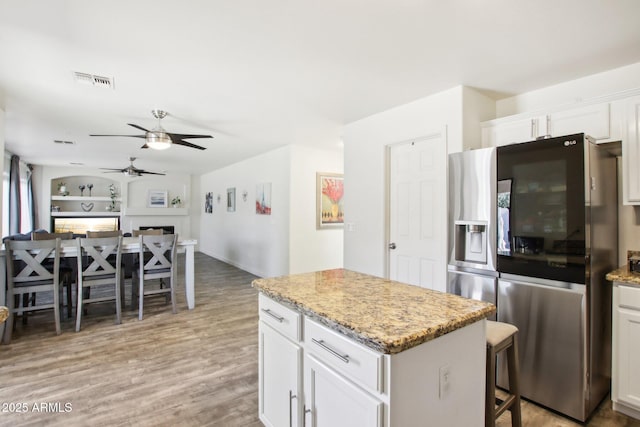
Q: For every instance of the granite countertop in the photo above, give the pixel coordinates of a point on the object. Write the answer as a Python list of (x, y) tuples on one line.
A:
[(624, 275), (384, 315)]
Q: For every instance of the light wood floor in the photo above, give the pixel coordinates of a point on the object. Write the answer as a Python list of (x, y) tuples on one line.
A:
[(197, 367)]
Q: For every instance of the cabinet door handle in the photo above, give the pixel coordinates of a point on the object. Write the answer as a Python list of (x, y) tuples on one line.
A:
[(533, 125), (343, 357), (275, 316), (291, 397), (304, 416)]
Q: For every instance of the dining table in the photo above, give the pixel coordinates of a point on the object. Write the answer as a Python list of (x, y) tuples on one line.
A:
[(129, 245)]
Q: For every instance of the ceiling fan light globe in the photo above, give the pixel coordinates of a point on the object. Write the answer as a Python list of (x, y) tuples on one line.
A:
[(158, 140)]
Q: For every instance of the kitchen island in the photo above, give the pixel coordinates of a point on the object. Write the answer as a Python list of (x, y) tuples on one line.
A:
[(341, 348)]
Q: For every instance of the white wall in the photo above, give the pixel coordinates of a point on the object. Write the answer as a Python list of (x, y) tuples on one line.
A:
[(287, 240), (365, 170), (258, 244), (311, 249), (572, 92), (196, 209), (604, 85), (476, 108)]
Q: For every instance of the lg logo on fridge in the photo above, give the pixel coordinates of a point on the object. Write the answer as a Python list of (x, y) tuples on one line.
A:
[(569, 143)]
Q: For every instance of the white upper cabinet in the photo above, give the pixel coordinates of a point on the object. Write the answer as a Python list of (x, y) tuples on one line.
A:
[(629, 127), (593, 120), (504, 132)]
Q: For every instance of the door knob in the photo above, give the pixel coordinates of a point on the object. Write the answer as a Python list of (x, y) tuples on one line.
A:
[(392, 246)]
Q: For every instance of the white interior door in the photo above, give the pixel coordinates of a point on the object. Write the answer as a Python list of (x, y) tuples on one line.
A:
[(418, 212)]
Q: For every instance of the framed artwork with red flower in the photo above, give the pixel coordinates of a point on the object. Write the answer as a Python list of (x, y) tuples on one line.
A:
[(329, 194)]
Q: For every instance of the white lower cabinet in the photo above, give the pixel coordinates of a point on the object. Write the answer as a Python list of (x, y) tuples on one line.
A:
[(333, 401), (280, 379), (280, 365), (625, 379), (312, 376)]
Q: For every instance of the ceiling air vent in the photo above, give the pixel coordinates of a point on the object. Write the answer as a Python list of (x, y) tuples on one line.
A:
[(93, 80), (60, 141)]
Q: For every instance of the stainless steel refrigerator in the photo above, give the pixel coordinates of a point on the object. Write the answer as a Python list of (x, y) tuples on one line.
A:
[(557, 239), (472, 227)]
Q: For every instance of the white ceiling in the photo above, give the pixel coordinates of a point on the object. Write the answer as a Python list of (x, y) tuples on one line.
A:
[(260, 74)]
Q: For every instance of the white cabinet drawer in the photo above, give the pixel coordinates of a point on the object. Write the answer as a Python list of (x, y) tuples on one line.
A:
[(629, 297), (360, 364), (281, 318)]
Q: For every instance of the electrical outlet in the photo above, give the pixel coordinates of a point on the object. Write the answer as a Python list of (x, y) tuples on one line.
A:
[(445, 381)]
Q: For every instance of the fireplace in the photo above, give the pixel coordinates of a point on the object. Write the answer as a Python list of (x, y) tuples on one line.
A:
[(80, 225)]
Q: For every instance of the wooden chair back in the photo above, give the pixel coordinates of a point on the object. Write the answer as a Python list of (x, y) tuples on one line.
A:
[(161, 252), (29, 271), (51, 236), (97, 234), (96, 256), (148, 232), (30, 257)]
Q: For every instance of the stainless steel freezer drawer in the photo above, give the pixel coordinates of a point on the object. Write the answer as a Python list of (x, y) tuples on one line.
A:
[(551, 342)]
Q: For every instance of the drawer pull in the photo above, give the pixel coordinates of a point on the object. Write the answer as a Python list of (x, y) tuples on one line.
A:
[(291, 397), (343, 357), (275, 316)]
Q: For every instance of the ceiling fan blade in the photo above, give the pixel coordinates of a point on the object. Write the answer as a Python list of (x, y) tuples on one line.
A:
[(132, 136), (141, 171), (187, 144), (187, 136), (137, 127), (112, 169)]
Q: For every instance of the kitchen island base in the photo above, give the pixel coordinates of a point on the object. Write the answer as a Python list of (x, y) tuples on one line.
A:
[(311, 375)]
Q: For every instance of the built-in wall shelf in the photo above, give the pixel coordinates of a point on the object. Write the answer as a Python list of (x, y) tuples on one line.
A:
[(83, 213), (84, 198), (67, 200), (155, 211)]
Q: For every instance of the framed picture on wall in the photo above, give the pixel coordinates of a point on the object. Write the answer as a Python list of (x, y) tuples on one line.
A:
[(157, 199), (263, 199), (329, 194), (208, 203), (231, 199)]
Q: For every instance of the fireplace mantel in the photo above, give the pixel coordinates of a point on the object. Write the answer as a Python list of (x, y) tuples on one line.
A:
[(155, 212)]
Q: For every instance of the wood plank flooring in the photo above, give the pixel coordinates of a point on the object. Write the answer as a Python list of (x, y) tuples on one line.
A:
[(197, 367)]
